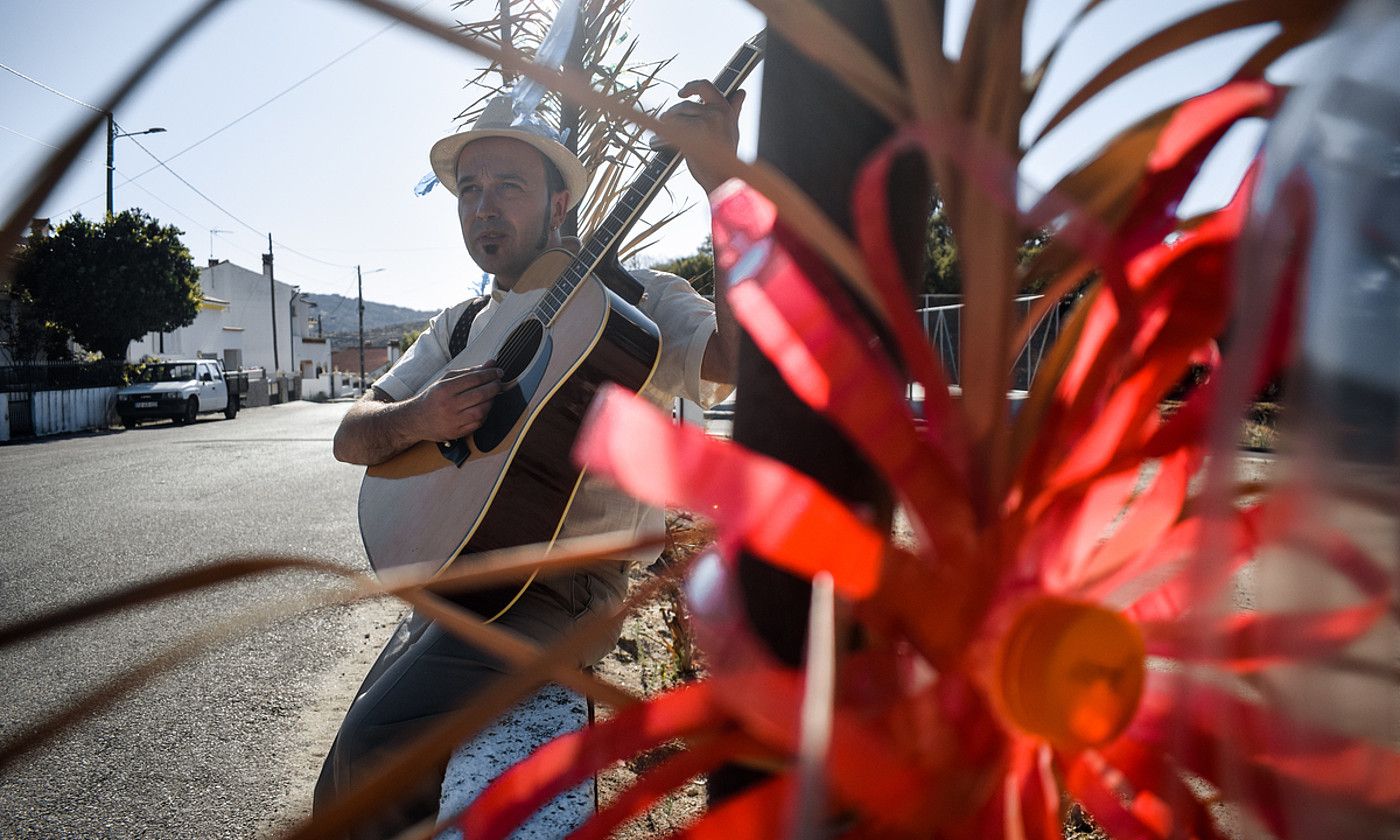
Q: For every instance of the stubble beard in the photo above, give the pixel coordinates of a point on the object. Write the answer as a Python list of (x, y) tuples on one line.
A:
[(518, 265)]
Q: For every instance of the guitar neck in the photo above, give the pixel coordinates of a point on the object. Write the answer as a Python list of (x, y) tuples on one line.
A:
[(640, 193)]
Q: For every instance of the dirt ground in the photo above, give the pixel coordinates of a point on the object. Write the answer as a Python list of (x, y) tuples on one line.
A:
[(646, 662)]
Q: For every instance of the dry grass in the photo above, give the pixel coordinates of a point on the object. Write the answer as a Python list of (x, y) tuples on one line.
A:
[(655, 653), (1258, 430)]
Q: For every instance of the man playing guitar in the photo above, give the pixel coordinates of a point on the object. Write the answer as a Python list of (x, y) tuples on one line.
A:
[(514, 184)]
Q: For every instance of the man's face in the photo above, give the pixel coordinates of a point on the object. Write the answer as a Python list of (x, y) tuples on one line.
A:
[(505, 207)]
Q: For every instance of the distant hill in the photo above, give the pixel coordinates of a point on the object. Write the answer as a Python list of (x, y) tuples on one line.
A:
[(382, 320)]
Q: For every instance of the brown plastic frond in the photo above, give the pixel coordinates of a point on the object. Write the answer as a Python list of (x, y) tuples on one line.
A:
[(1305, 16), (165, 586)]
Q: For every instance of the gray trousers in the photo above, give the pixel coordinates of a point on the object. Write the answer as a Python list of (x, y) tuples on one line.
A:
[(425, 672)]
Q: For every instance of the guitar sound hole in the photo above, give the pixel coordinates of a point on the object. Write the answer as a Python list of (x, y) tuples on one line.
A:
[(519, 349)]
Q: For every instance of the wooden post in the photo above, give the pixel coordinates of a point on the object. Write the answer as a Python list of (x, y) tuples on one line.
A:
[(815, 132)]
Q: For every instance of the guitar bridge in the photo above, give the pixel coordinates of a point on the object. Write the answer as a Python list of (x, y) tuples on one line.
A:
[(457, 451)]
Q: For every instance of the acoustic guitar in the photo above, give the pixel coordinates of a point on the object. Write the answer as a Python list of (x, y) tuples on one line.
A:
[(558, 337)]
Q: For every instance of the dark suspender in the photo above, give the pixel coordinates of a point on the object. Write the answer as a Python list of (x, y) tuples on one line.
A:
[(463, 331)]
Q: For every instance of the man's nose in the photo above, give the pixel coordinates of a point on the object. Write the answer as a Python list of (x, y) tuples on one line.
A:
[(486, 207)]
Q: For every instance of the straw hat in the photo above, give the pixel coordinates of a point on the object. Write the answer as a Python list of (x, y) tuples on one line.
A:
[(499, 120)]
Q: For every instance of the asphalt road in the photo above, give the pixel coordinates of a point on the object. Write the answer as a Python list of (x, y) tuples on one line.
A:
[(226, 745)]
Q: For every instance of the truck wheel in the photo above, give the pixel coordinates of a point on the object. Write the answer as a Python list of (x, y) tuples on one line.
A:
[(128, 423), (191, 411), (231, 410)]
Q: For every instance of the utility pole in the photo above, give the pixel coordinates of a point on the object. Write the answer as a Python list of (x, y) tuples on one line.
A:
[(112, 136), (360, 293), (111, 157), (292, 331), (272, 298)]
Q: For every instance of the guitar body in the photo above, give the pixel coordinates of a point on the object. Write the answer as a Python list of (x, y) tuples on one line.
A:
[(512, 481)]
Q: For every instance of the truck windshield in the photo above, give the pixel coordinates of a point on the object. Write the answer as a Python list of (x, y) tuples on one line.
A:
[(168, 373)]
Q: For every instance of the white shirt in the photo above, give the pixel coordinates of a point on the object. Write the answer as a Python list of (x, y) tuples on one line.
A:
[(686, 322)]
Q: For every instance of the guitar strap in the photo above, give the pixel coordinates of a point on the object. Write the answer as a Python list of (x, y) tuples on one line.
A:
[(462, 332)]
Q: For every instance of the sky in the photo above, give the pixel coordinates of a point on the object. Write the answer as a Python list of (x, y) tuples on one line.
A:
[(328, 167)]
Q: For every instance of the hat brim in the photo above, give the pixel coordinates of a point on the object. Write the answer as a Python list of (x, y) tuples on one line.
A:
[(445, 152)]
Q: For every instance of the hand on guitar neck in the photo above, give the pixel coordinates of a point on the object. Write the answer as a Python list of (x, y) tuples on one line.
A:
[(712, 115), (716, 118)]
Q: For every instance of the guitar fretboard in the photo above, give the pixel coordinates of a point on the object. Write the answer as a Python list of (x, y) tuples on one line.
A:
[(638, 195)]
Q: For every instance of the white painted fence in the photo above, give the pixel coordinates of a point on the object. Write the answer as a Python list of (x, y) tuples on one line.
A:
[(319, 386), (56, 412)]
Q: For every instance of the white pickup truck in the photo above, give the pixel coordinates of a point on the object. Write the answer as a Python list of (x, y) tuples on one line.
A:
[(180, 391)]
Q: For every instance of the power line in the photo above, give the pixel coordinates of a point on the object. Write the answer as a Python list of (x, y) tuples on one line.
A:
[(365, 250), (313, 74), (225, 210), (118, 171), (56, 91), (285, 247), (164, 164), (45, 145), (198, 224), (160, 163)]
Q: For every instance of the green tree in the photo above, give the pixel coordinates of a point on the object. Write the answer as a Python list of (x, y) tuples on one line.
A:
[(942, 273), (409, 336), (698, 268), (108, 283), (31, 336)]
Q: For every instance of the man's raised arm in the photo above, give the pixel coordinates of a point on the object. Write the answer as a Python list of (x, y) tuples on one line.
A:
[(718, 117)]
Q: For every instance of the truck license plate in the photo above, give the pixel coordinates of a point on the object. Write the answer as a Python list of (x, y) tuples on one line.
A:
[(146, 405)]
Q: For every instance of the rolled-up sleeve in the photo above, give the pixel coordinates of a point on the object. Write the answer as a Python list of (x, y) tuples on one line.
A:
[(686, 322), (425, 358)]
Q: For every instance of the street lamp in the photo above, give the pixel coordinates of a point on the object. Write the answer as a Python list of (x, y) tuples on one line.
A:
[(112, 136), (360, 292)]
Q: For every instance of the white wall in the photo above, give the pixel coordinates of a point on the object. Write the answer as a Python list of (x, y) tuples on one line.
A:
[(317, 387), (238, 314), (318, 352)]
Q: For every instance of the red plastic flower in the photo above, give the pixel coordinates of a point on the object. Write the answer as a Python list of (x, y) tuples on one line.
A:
[(1038, 638)]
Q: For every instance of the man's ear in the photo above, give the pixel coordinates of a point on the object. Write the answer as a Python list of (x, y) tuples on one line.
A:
[(558, 208)]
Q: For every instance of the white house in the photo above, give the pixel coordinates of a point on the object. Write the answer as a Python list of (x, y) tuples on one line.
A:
[(248, 320)]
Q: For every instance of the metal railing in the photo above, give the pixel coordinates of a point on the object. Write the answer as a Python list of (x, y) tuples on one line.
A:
[(28, 377), (943, 326), (942, 322)]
